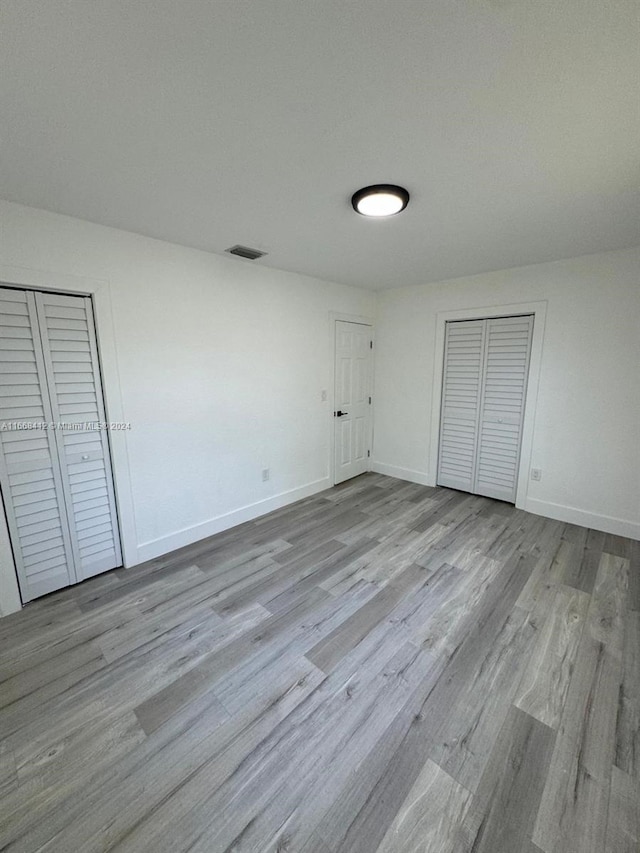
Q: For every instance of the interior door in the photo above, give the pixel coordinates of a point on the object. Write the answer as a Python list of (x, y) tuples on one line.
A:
[(30, 475), (352, 399), (486, 367), (73, 374), (461, 393), (55, 471), (506, 369)]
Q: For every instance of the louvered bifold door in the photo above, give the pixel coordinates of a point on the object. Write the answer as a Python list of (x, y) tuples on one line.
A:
[(462, 388), (506, 367), (73, 374), (30, 474)]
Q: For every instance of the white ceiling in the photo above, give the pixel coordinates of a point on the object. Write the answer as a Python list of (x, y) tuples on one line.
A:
[(514, 124)]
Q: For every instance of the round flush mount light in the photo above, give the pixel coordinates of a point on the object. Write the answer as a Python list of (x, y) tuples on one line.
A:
[(380, 200)]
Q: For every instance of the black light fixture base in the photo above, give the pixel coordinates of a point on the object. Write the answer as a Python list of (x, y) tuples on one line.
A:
[(380, 189)]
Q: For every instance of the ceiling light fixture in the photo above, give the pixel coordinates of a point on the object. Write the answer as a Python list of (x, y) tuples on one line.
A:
[(380, 200)]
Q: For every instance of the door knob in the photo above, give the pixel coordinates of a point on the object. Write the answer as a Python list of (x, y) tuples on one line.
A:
[(340, 414)]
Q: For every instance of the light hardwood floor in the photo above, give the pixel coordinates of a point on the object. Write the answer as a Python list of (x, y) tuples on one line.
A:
[(382, 667)]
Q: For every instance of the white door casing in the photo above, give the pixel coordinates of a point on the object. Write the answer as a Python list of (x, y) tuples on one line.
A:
[(352, 399)]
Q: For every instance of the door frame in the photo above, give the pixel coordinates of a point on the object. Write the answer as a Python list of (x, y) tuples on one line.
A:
[(361, 320), (539, 311), (100, 292)]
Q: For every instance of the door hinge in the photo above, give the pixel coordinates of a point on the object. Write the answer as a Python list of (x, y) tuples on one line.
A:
[(370, 344), (369, 400), (368, 453)]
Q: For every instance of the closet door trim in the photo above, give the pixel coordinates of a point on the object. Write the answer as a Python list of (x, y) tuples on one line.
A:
[(100, 291), (428, 475)]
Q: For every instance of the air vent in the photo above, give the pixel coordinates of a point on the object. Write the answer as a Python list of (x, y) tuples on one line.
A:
[(246, 252)]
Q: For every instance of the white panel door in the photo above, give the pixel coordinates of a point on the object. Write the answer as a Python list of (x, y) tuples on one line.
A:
[(73, 374), (30, 475), (506, 368), (483, 396), (352, 415)]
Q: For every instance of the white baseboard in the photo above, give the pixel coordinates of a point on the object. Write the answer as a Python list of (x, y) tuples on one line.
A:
[(572, 515), (402, 473), (188, 535)]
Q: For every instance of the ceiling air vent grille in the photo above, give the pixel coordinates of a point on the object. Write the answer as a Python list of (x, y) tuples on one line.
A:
[(246, 252)]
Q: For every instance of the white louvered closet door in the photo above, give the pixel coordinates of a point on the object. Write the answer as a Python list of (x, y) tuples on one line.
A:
[(56, 483), (73, 375), (506, 368), (461, 391), (30, 473), (484, 390)]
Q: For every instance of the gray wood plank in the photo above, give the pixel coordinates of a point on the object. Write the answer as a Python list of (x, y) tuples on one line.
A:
[(627, 755), (332, 648), (431, 815), (623, 825), (573, 809), (606, 615), (502, 816), (633, 594), (545, 683), (8, 771), (293, 585), (469, 724)]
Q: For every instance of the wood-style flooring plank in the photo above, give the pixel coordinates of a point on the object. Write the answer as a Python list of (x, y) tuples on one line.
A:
[(544, 685), (327, 653), (605, 621), (627, 756), (502, 815), (633, 593), (623, 825), (574, 805), (430, 817), (296, 584)]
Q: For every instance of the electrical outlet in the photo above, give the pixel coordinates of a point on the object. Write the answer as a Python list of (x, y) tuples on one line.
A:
[(536, 473), (265, 474)]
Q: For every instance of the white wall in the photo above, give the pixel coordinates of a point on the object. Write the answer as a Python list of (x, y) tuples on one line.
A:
[(586, 436), (221, 365)]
